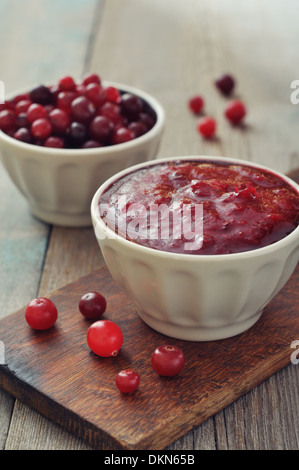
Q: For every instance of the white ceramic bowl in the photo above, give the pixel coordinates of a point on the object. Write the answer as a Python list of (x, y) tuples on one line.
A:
[(196, 297), (59, 183)]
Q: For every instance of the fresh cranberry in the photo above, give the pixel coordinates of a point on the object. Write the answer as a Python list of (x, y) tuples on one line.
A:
[(36, 111), (82, 109), (41, 128), (54, 142), (7, 120), (20, 97), (105, 338), (168, 360), (91, 78), (22, 106), (94, 93), (41, 95), (67, 84), (41, 313), (235, 112), (77, 133), (6, 105), (225, 84), (131, 106), (22, 121), (65, 99), (147, 120), (110, 111), (196, 104), (23, 135), (60, 120), (207, 127), (112, 94), (101, 128), (123, 134), (127, 381), (90, 144), (138, 128), (92, 305)]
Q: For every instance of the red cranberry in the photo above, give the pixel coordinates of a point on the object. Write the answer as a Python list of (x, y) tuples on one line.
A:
[(147, 120), (92, 305), (77, 133), (235, 112), (20, 97), (24, 135), (67, 83), (131, 106), (22, 121), (6, 105), (90, 144), (123, 134), (54, 142), (207, 127), (225, 84), (94, 93), (91, 78), (82, 109), (112, 94), (41, 95), (7, 120), (196, 104), (36, 111), (110, 111), (41, 128), (65, 99), (22, 106), (60, 120), (101, 129), (138, 128)]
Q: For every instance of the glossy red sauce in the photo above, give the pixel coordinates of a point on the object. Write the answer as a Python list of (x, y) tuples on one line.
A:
[(243, 208)]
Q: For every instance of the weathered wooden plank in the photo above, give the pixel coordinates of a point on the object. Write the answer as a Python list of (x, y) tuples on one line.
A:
[(40, 41)]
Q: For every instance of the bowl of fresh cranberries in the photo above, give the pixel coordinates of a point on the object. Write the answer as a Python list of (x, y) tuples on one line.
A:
[(60, 142), (200, 244)]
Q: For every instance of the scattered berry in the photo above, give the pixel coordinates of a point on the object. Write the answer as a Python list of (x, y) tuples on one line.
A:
[(41, 313), (196, 104), (225, 84), (105, 338), (168, 360), (92, 305), (207, 127), (235, 112), (127, 381)]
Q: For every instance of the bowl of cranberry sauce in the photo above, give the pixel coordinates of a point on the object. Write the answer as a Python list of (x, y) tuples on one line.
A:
[(59, 142), (200, 244)]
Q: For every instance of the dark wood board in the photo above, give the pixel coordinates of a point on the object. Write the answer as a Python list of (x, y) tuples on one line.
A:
[(55, 373)]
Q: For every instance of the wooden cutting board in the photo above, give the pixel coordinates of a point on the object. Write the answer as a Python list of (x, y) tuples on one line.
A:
[(55, 373)]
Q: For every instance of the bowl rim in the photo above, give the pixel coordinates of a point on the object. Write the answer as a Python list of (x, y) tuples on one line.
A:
[(272, 248), (153, 102)]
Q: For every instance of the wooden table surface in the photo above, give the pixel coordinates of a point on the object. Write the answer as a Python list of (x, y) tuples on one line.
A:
[(172, 49)]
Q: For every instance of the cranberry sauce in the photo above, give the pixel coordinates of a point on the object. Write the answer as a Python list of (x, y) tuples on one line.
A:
[(243, 208)]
